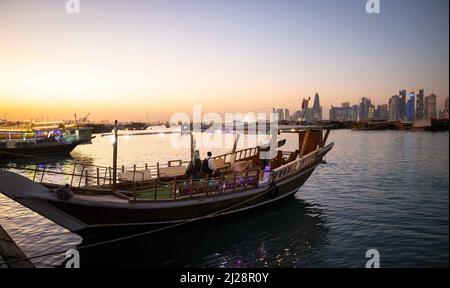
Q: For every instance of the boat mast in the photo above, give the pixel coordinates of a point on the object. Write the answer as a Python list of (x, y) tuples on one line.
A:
[(76, 120), (236, 140), (115, 156), (191, 127)]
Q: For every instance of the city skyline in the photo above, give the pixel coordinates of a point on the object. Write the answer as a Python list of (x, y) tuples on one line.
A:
[(407, 106), (125, 61)]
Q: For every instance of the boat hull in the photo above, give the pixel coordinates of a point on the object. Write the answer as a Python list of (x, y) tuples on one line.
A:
[(57, 149), (82, 218)]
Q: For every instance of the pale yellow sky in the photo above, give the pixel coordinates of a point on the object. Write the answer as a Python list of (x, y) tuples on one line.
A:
[(120, 59)]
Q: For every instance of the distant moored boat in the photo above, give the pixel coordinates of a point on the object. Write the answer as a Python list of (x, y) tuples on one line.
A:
[(41, 138)]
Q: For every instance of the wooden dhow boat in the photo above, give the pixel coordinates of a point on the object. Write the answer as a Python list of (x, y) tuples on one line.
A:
[(41, 138), (93, 197)]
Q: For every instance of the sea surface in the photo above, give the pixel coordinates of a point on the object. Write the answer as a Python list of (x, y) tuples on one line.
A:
[(386, 190)]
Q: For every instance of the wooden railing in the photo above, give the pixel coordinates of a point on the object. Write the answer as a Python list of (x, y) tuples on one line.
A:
[(176, 189), (294, 167), (241, 155), (76, 175)]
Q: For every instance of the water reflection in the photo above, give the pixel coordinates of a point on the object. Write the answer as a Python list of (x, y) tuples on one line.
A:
[(285, 234), (385, 189), (58, 168)]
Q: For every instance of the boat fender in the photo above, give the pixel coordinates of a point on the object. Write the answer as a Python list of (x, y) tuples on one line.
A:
[(273, 190), (64, 192)]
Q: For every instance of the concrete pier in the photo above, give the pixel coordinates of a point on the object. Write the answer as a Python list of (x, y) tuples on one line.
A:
[(9, 251)]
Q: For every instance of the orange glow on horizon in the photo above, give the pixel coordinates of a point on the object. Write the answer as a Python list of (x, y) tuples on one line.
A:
[(126, 61)]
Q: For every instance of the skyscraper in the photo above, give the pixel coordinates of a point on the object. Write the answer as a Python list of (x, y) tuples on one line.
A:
[(344, 113), (403, 107), (280, 114), (394, 108), (354, 112), (419, 105), (287, 115), (444, 113), (430, 106), (371, 112), (314, 114), (364, 108), (411, 101), (384, 113), (317, 109)]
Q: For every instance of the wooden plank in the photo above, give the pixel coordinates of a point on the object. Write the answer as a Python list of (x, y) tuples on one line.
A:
[(324, 140), (9, 251), (305, 142)]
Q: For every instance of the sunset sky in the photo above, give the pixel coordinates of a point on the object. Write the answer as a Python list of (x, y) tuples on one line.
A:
[(119, 59)]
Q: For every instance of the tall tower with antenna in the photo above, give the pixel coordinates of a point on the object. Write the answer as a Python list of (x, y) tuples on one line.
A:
[(316, 110)]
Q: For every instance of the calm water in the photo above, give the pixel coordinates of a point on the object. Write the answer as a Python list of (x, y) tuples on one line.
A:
[(386, 190)]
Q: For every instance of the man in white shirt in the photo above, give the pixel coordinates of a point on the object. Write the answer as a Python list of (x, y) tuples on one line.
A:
[(211, 165)]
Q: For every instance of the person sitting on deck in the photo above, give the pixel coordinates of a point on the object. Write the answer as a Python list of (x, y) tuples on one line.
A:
[(195, 166), (64, 192), (208, 166)]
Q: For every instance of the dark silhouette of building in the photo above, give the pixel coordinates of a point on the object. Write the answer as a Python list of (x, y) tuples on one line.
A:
[(314, 114), (364, 107), (287, 115), (344, 113), (411, 101), (419, 105), (394, 108), (430, 106), (403, 108), (444, 113), (381, 112), (317, 109)]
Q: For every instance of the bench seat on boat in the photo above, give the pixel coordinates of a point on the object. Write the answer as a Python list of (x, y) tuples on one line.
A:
[(138, 176), (145, 175), (173, 171)]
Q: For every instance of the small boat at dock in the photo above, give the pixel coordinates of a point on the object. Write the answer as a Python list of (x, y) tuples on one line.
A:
[(41, 138), (91, 197)]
